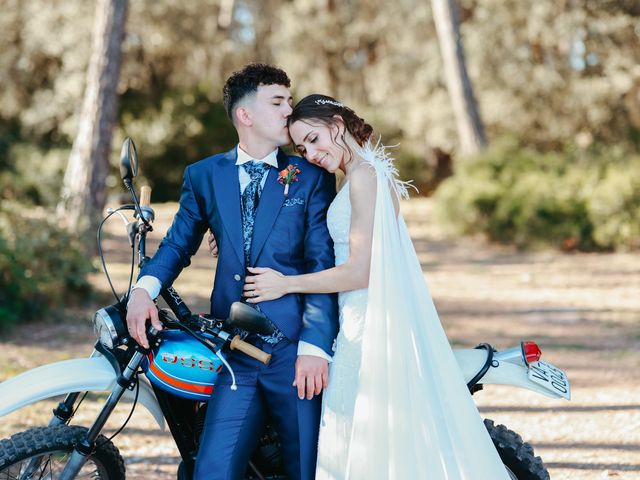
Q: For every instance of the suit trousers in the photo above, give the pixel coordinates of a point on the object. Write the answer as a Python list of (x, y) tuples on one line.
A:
[(235, 419)]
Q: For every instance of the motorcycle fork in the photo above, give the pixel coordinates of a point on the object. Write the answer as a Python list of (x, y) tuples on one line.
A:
[(63, 413), (87, 445)]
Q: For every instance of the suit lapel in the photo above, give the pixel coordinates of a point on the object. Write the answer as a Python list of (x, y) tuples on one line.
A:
[(227, 192), (271, 200)]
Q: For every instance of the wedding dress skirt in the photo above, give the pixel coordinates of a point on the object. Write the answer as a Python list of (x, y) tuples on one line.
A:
[(397, 405)]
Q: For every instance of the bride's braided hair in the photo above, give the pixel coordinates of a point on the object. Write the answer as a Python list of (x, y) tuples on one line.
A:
[(324, 109)]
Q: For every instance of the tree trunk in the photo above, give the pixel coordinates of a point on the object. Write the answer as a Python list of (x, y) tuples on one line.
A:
[(84, 188), (468, 122), (225, 13)]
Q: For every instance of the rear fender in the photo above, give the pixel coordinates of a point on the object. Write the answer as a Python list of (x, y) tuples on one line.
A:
[(500, 373), (93, 374)]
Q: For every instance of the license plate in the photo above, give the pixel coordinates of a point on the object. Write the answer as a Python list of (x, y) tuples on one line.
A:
[(550, 377)]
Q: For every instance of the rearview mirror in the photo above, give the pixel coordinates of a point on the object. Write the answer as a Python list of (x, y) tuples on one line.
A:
[(249, 319), (128, 160)]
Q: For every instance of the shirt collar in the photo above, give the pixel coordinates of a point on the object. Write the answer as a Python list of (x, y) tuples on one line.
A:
[(244, 157)]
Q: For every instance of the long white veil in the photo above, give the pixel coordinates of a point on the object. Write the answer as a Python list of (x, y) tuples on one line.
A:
[(414, 417)]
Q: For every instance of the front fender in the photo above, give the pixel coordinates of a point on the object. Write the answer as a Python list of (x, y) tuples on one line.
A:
[(93, 374)]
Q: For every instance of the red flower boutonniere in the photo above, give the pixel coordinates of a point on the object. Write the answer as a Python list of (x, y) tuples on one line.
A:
[(287, 176)]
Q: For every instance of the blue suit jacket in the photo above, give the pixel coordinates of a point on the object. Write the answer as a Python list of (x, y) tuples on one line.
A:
[(290, 235)]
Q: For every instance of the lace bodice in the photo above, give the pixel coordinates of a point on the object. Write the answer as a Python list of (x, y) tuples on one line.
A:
[(338, 222)]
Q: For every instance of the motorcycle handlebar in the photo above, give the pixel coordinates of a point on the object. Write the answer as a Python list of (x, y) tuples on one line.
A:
[(180, 308), (248, 349), (199, 322), (175, 303), (145, 196), (145, 204)]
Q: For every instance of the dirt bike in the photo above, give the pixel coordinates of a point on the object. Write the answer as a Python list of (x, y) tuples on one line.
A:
[(174, 378)]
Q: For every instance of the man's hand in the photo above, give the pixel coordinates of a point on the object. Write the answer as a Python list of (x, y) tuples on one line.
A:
[(213, 245), (140, 309), (312, 376)]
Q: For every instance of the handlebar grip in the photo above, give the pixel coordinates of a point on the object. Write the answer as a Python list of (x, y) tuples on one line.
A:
[(247, 348), (145, 196)]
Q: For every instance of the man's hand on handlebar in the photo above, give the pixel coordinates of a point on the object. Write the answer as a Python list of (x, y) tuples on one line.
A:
[(140, 309)]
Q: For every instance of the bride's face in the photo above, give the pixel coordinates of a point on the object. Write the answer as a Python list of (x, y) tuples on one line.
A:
[(317, 143)]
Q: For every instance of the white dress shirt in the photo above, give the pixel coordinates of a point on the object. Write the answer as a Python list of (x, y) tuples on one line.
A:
[(153, 286)]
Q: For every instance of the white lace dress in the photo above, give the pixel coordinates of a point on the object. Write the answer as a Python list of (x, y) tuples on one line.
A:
[(339, 399), (397, 406)]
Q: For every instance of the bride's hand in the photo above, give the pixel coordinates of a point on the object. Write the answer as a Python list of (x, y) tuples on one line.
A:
[(265, 284)]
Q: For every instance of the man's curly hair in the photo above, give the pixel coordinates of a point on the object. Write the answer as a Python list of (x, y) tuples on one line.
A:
[(246, 82)]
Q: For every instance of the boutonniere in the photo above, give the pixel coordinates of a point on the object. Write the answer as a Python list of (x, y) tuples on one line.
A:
[(287, 176)]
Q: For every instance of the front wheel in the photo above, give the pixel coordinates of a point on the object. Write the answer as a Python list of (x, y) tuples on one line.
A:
[(43, 452), (516, 454)]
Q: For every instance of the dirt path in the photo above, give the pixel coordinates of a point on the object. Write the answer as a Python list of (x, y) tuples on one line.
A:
[(582, 309)]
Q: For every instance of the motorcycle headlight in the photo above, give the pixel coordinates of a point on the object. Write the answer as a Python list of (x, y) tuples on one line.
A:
[(109, 327)]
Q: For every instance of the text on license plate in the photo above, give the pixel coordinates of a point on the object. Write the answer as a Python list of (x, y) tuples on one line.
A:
[(550, 377)]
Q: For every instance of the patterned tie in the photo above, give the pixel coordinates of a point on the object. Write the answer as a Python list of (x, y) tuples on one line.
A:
[(250, 199)]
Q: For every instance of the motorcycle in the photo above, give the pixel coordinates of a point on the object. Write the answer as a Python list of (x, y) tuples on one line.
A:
[(174, 378)]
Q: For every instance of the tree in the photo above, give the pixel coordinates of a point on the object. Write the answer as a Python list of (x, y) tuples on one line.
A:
[(554, 75), (468, 122), (84, 188)]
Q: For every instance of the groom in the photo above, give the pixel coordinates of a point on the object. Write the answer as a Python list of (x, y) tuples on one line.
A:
[(238, 196)]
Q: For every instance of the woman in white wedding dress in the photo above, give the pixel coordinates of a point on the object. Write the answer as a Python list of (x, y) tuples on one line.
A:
[(396, 405)]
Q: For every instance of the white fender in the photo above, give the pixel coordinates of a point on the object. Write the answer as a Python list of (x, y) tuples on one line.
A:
[(93, 374), (505, 373)]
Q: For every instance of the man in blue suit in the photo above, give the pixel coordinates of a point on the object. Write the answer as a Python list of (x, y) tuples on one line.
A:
[(238, 197)]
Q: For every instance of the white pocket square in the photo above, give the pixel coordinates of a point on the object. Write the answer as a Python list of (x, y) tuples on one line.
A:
[(290, 202)]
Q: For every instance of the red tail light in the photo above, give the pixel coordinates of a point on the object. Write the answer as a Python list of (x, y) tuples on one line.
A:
[(530, 352)]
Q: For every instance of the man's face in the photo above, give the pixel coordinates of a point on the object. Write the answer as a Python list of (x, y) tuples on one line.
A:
[(269, 109)]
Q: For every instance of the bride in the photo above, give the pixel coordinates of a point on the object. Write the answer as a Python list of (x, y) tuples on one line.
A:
[(396, 405)]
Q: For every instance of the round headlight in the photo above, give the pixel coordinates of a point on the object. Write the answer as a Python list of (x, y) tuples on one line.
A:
[(108, 326)]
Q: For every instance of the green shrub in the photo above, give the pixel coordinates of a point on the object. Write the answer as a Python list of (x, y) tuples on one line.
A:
[(588, 201), (41, 266), (31, 169)]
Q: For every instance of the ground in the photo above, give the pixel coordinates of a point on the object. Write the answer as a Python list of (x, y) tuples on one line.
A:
[(582, 309)]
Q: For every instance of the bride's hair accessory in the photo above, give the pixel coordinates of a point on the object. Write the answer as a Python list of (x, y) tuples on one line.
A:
[(323, 101)]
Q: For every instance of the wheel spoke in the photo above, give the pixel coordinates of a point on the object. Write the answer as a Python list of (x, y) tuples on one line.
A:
[(47, 463), (42, 453), (49, 469)]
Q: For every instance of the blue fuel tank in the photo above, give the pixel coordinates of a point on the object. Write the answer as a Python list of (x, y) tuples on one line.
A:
[(183, 366)]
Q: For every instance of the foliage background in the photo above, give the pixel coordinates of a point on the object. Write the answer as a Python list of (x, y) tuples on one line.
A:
[(557, 82), (554, 74)]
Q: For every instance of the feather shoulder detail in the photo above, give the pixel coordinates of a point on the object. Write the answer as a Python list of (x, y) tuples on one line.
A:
[(376, 155)]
